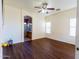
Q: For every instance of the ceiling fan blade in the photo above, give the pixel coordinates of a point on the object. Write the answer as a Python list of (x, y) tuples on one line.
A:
[(39, 11), (50, 8), (37, 7)]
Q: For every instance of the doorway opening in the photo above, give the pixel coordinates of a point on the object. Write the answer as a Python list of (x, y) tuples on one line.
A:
[(27, 28)]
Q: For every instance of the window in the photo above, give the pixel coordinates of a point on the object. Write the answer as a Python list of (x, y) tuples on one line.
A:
[(73, 27), (48, 27)]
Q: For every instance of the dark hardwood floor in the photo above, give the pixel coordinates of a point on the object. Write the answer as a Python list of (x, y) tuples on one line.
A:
[(40, 49)]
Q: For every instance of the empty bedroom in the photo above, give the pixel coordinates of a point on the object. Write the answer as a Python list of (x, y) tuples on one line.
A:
[(39, 29)]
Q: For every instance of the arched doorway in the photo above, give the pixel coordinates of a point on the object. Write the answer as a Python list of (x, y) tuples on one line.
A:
[(27, 28)]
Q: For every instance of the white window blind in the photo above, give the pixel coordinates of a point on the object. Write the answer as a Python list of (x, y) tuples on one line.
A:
[(73, 27), (48, 27)]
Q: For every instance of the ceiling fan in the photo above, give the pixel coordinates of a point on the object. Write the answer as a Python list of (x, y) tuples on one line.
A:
[(43, 8)]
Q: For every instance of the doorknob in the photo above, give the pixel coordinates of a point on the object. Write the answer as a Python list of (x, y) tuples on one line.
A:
[(77, 48)]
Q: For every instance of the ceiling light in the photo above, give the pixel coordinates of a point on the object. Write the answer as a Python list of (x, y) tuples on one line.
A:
[(44, 11)]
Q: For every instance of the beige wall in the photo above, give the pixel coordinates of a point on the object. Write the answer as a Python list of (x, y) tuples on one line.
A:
[(1, 23), (60, 25), (14, 24), (38, 22), (1, 35)]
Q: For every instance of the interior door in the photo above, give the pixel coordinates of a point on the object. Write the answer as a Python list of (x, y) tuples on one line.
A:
[(27, 28), (1, 23)]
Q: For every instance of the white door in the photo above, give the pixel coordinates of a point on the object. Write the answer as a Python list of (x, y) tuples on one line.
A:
[(0, 28), (77, 36)]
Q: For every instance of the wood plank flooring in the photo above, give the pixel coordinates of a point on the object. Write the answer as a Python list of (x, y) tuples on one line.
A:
[(40, 49)]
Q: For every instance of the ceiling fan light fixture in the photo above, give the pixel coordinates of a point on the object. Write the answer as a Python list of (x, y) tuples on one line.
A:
[(44, 11), (43, 8), (44, 5)]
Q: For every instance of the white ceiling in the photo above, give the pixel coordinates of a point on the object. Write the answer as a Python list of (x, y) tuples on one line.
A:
[(29, 4)]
